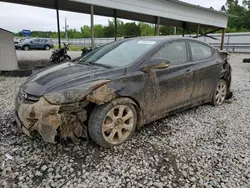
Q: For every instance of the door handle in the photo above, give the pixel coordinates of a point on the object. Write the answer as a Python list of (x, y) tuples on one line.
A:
[(188, 72)]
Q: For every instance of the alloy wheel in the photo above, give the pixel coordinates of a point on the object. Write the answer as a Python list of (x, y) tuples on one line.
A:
[(221, 92), (26, 48), (118, 124)]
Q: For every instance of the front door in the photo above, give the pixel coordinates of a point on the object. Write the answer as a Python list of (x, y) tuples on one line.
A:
[(172, 87), (35, 43)]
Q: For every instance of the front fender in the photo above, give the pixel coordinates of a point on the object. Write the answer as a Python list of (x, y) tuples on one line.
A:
[(102, 94)]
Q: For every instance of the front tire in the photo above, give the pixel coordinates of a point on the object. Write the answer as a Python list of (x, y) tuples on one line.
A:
[(26, 48), (66, 58), (47, 47), (220, 93), (111, 125)]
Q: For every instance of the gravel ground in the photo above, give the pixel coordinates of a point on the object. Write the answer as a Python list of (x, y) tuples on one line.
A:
[(202, 147), (34, 59)]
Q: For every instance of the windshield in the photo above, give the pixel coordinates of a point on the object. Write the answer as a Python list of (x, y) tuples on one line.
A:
[(119, 54)]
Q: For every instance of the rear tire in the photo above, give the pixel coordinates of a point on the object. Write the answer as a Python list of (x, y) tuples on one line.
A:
[(220, 93), (26, 48), (111, 125)]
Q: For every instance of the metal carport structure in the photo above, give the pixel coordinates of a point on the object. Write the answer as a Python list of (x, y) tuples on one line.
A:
[(165, 12)]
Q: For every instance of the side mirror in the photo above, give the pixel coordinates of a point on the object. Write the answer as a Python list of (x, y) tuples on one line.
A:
[(158, 63), (31, 41)]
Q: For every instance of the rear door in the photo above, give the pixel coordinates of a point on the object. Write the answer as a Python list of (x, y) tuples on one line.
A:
[(207, 70), (173, 86), (41, 43)]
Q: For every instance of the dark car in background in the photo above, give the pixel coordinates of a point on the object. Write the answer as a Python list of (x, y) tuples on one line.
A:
[(37, 43), (116, 88)]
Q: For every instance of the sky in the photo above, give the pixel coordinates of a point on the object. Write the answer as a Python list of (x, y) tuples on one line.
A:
[(14, 17)]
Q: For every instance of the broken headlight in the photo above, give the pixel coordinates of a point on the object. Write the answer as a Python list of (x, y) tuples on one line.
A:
[(74, 95), (66, 97)]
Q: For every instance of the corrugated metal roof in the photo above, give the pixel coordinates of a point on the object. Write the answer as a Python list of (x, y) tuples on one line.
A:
[(197, 6), (6, 30), (171, 12)]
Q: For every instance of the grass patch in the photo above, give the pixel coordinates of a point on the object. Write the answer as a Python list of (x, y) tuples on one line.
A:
[(71, 47)]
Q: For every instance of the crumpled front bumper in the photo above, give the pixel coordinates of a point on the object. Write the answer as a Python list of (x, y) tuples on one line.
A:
[(49, 121), (62, 119), (20, 125)]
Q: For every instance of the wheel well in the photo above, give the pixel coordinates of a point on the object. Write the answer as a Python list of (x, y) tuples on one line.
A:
[(131, 100), (140, 119), (26, 45), (227, 79)]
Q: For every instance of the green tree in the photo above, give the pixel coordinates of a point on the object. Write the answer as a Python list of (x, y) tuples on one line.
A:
[(86, 31), (146, 29), (98, 31), (109, 30), (120, 28), (166, 30), (73, 34), (132, 29), (236, 15)]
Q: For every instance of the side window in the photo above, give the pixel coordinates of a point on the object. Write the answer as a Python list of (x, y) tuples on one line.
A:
[(200, 51), (175, 52), (36, 40)]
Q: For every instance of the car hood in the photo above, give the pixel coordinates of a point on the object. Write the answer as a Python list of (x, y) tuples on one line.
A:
[(66, 75)]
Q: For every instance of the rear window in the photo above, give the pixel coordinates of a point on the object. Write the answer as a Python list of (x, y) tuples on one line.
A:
[(200, 51)]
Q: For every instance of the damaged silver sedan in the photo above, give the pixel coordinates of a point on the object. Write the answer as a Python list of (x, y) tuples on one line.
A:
[(109, 92)]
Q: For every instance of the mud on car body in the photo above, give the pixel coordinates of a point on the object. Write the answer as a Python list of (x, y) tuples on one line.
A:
[(109, 92)]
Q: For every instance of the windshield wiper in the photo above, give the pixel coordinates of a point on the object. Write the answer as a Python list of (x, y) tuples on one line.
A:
[(98, 64)]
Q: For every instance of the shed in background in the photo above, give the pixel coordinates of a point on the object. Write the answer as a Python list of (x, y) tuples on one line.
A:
[(8, 57)]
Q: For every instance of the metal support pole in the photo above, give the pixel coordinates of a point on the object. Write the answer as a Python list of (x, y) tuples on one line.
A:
[(174, 30), (58, 23), (184, 29), (115, 16), (228, 41), (92, 27), (222, 39), (155, 26), (158, 26), (66, 30), (198, 30)]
